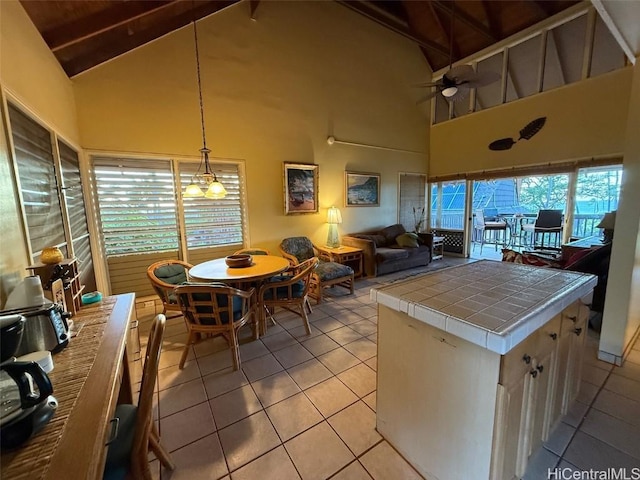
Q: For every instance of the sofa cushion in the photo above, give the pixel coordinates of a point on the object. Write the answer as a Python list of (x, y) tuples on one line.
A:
[(385, 254), (408, 240), (377, 239), (391, 232)]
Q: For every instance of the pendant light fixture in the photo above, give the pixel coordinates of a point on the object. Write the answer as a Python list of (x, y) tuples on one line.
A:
[(207, 179)]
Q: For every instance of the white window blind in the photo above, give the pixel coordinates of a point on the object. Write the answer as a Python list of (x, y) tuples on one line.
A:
[(72, 190), (38, 183), (137, 205), (212, 223)]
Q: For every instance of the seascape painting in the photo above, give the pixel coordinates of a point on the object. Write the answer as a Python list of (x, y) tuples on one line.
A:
[(301, 188), (362, 189)]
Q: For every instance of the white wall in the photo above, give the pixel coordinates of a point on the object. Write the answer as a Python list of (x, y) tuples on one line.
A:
[(621, 318)]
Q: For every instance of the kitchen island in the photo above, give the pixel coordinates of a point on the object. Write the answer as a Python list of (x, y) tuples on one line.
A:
[(476, 363)]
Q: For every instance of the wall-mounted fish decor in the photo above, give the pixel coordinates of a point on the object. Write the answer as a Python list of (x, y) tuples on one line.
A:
[(529, 130)]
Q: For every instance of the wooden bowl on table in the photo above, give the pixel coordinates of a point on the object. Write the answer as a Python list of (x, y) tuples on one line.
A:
[(239, 260)]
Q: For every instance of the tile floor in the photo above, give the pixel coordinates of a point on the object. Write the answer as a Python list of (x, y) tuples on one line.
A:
[(304, 406)]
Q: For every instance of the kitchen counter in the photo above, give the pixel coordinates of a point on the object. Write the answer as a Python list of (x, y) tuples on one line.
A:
[(89, 377), (495, 305), (476, 365)]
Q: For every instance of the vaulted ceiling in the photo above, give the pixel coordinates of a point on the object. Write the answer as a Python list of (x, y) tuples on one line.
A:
[(85, 33)]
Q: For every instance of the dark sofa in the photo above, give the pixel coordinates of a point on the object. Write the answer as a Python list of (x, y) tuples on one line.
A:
[(382, 254)]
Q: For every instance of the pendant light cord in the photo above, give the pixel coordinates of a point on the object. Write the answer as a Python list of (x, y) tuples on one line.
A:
[(195, 36)]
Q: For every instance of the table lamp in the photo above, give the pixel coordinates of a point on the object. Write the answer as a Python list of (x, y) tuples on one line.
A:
[(334, 218), (607, 224)]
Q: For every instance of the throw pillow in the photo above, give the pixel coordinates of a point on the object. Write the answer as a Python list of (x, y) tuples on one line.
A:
[(407, 240)]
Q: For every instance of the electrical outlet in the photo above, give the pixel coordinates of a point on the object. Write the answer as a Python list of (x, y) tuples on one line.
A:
[(149, 304)]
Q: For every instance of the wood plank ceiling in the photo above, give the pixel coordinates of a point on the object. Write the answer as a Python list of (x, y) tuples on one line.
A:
[(85, 33)]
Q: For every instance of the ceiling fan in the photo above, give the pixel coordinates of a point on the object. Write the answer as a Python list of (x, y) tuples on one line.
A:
[(456, 83)]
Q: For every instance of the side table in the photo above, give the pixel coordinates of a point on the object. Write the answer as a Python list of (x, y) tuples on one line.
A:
[(438, 248), (350, 256)]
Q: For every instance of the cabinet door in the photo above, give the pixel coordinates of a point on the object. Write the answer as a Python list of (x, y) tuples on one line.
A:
[(577, 334), (537, 409), (510, 421)]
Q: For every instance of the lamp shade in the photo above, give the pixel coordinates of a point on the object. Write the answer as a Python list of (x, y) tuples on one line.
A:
[(608, 222), (334, 216), (216, 190), (193, 191)]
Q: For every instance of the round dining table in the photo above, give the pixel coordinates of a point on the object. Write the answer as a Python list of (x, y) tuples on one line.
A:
[(262, 266)]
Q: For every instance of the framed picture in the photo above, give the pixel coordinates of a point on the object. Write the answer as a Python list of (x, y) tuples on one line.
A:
[(362, 189), (300, 188)]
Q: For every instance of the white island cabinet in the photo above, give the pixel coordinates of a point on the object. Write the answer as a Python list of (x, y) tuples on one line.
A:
[(476, 363)]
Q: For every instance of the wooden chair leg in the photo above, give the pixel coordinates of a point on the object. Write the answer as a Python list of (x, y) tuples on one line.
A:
[(303, 312), (158, 449), (235, 348), (185, 352)]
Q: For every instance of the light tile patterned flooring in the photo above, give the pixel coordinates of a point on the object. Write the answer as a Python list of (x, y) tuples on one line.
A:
[(304, 406)]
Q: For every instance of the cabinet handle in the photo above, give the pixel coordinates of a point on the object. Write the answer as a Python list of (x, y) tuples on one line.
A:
[(115, 423), (578, 331), (573, 318), (554, 336), (533, 373), (527, 359), (540, 368)]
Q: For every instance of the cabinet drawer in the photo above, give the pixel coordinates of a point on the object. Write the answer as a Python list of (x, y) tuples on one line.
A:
[(518, 361)]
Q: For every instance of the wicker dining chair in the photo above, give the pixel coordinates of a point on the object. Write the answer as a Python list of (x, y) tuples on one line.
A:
[(164, 276), (127, 456), (289, 292), (216, 309)]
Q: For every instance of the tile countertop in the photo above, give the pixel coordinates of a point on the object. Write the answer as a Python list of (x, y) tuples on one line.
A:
[(495, 305)]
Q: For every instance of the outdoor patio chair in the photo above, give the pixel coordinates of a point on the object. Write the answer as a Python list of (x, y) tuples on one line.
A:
[(548, 222), (491, 232)]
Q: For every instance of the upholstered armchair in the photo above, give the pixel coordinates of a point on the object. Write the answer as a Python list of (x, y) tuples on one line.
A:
[(326, 274)]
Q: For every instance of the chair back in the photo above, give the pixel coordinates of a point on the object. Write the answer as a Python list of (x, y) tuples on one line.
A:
[(252, 251), (213, 304), (147, 387), (549, 219), (289, 289), (479, 218), (297, 249), (490, 214), (165, 275)]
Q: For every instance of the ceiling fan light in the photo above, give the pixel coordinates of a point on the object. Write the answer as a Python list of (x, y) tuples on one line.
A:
[(193, 191), (450, 91), (216, 190)]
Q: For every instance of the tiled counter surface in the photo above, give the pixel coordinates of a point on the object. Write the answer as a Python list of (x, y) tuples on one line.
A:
[(495, 305)]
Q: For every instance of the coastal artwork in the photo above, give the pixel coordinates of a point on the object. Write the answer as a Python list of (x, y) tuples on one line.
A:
[(301, 188), (362, 189)]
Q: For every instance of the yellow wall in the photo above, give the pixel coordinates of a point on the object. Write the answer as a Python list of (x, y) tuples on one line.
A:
[(274, 89), (30, 75), (586, 119)]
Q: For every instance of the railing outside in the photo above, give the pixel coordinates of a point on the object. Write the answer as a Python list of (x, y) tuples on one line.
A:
[(584, 225)]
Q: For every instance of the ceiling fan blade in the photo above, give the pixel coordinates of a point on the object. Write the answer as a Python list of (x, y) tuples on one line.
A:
[(460, 73), (480, 79)]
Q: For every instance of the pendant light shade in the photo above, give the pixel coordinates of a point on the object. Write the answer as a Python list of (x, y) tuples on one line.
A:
[(205, 184)]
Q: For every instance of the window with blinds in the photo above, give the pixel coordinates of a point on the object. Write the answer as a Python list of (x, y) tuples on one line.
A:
[(38, 182), (212, 223), (74, 200), (137, 205)]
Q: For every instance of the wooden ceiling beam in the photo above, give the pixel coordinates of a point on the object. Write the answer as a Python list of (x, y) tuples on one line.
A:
[(373, 13), (495, 24), (101, 22), (467, 19)]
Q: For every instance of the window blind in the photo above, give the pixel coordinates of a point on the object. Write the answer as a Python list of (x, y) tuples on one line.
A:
[(76, 212), (38, 183), (208, 222), (137, 205)]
